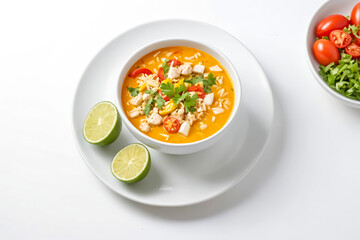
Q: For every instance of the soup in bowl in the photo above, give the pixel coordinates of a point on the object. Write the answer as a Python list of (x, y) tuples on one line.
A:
[(178, 96)]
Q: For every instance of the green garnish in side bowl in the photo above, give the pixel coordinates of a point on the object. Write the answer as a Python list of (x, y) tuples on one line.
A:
[(344, 77)]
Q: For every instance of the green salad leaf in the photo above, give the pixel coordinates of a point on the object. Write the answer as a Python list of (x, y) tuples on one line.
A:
[(344, 77), (352, 29)]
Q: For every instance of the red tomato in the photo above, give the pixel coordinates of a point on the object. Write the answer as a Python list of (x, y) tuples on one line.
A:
[(340, 38), (138, 71), (171, 124), (355, 15), (199, 90), (353, 49), (326, 52), (165, 97), (174, 62), (161, 74), (330, 23)]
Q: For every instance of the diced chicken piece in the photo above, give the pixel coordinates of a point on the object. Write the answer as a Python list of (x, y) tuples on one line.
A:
[(209, 98), (199, 69), (215, 68), (185, 69), (136, 101), (184, 129), (146, 96), (134, 113), (145, 127), (174, 72), (217, 111), (155, 119)]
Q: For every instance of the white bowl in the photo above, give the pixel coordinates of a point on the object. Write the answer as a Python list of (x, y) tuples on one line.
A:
[(179, 148), (343, 7)]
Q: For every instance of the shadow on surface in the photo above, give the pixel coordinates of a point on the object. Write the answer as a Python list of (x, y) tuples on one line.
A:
[(236, 195)]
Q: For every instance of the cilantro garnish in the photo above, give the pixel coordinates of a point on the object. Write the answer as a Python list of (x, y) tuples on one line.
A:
[(180, 89), (167, 89), (151, 92), (160, 101), (177, 98), (190, 103), (208, 83), (148, 106), (165, 66), (170, 90), (133, 91)]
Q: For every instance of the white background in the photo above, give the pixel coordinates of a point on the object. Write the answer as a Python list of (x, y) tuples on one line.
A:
[(307, 185)]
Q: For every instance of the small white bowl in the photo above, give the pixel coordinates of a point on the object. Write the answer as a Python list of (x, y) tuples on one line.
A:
[(179, 148), (331, 7)]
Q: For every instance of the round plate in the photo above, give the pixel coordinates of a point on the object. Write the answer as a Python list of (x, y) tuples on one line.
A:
[(186, 179)]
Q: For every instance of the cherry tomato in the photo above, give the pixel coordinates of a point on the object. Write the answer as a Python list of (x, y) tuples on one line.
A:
[(353, 49), (161, 74), (340, 38), (165, 97), (326, 52), (174, 62), (199, 90), (138, 71), (355, 15), (171, 124), (330, 23)]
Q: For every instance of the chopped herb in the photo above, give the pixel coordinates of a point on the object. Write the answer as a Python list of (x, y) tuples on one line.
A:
[(177, 98), (190, 103), (211, 79), (165, 66), (208, 83), (133, 91), (160, 101), (167, 89), (196, 80), (148, 106), (325, 37), (352, 29), (180, 89), (151, 92), (344, 77)]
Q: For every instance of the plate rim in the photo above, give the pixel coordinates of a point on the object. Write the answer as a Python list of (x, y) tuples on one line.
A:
[(236, 180)]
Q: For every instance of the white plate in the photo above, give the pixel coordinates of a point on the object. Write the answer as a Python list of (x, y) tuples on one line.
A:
[(187, 179)]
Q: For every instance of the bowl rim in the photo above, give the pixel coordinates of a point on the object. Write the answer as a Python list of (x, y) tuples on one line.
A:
[(165, 40), (322, 83)]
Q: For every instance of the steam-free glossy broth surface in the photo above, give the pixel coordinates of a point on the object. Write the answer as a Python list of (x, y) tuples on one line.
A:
[(214, 122)]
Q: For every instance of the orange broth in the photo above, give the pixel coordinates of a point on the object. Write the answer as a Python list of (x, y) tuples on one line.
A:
[(153, 63)]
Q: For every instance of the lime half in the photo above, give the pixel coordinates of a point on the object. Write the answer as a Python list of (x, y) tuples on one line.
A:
[(132, 163), (102, 125)]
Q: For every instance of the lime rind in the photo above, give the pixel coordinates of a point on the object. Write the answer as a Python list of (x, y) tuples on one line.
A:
[(141, 174), (115, 127)]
